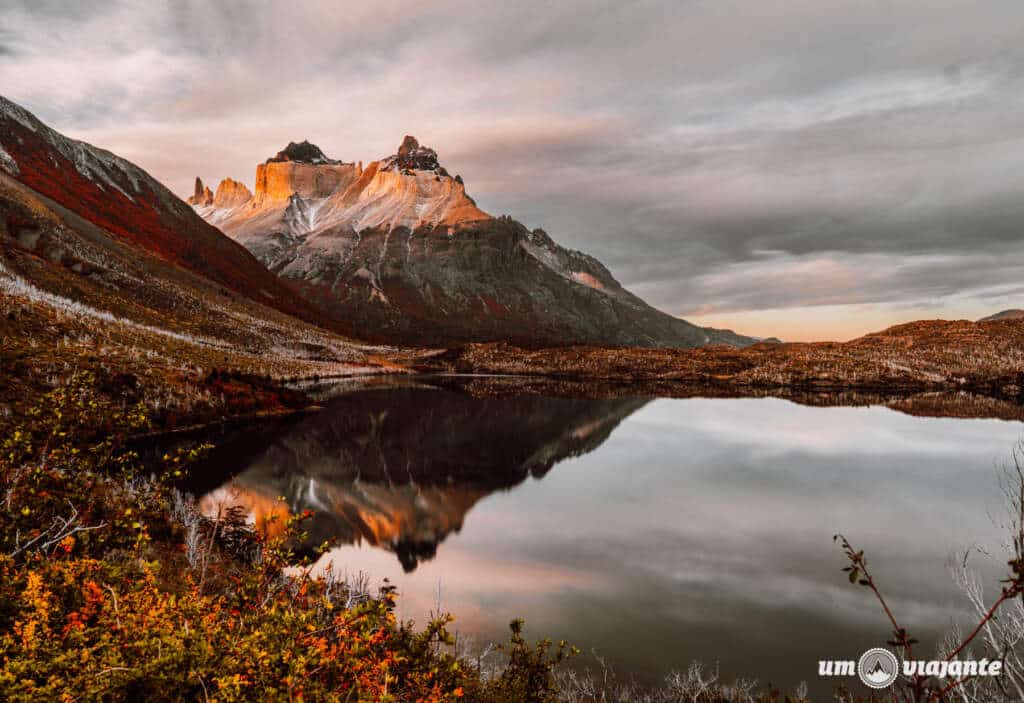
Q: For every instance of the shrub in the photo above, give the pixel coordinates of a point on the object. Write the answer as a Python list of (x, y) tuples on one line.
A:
[(99, 600), (113, 587)]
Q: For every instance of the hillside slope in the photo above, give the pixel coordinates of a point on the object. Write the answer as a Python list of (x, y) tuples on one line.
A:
[(1012, 314), (122, 199), (985, 358), (108, 284)]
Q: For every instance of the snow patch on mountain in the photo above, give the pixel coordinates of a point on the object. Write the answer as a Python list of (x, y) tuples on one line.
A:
[(210, 213), (96, 165), (313, 208), (565, 262), (7, 162)]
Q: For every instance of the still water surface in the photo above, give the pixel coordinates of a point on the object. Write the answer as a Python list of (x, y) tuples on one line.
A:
[(653, 532)]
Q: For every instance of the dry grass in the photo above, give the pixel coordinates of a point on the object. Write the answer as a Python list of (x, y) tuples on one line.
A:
[(985, 358)]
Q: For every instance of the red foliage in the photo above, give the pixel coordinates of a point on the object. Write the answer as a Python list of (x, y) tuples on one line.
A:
[(153, 218)]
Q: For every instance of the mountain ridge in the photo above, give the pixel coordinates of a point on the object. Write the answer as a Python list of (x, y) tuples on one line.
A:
[(401, 251), (118, 196), (76, 296), (104, 271)]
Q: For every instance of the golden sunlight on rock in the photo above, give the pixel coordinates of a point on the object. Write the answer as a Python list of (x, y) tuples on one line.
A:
[(302, 191), (281, 180)]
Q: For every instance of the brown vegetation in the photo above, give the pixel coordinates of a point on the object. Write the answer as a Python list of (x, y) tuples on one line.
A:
[(937, 355)]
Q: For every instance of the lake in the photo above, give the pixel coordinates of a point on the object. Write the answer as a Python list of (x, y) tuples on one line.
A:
[(651, 531)]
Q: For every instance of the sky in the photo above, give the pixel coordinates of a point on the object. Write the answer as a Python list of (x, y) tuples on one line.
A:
[(799, 169)]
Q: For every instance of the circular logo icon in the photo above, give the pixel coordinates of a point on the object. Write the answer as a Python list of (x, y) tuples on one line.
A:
[(878, 668)]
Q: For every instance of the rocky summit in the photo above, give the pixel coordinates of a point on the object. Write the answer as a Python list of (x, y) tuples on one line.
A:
[(202, 194), (399, 252), (230, 194), (413, 157), (302, 152)]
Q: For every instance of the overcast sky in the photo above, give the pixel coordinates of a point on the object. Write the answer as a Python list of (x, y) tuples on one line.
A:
[(802, 169)]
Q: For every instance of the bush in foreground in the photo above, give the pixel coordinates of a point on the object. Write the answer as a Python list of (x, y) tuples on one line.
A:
[(112, 587)]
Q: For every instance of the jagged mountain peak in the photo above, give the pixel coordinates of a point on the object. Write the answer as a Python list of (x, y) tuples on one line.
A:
[(402, 253), (302, 152), (301, 191), (231, 193), (201, 195), (412, 156)]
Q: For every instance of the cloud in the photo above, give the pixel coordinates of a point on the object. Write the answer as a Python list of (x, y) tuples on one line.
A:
[(719, 156)]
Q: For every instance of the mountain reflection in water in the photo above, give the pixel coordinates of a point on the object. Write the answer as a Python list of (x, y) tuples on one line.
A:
[(671, 530), (400, 468)]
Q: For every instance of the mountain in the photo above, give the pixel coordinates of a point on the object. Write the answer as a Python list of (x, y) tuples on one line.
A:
[(103, 269), (1012, 314), (124, 200), (399, 252)]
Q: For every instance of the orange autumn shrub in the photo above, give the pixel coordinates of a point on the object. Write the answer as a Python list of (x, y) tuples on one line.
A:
[(82, 629)]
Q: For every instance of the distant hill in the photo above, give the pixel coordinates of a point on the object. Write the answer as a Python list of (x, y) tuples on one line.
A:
[(922, 356), (1012, 314)]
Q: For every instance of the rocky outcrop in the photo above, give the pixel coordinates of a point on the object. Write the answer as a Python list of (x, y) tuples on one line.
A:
[(280, 180), (202, 197), (400, 253), (412, 157), (231, 194), (302, 152)]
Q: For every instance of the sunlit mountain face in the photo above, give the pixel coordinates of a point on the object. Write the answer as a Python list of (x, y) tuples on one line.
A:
[(400, 253), (401, 468)]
